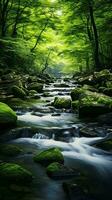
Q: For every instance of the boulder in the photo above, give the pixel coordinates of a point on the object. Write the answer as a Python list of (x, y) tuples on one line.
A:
[(62, 103), (77, 93), (105, 119), (92, 110), (36, 86), (13, 173), (106, 145), (49, 156), (7, 115), (88, 132), (18, 92), (9, 150), (58, 171)]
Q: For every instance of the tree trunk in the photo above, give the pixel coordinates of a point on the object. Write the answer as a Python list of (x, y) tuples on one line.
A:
[(96, 39)]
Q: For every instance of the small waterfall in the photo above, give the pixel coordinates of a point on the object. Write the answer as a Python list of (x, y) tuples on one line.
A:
[(40, 136)]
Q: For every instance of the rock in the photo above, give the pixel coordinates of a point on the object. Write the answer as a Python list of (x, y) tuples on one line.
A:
[(18, 92), (7, 116), (56, 114), (77, 93), (88, 132), (105, 119), (18, 133), (59, 171), (49, 156), (9, 150), (36, 86), (75, 105), (13, 173), (73, 190), (62, 103), (108, 91), (63, 85), (106, 145), (46, 94), (92, 104), (93, 110), (97, 79)]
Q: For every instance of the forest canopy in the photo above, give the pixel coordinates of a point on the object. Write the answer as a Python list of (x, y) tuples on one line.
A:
[(59, 35)]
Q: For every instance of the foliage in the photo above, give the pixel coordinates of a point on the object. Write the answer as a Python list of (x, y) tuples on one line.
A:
[(65, 35)]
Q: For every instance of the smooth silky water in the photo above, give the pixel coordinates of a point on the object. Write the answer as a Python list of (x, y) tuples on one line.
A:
[(79, 152)]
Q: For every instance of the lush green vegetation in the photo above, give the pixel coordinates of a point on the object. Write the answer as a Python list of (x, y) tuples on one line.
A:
[(59, 34)]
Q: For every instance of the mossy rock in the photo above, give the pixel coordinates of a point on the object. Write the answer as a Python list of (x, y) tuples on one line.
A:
[(106, 145), (77, 93), (13, 173), (36, 86), (108, 91), (18, 92), (49, 156), (75, 105), (58, 171), (93, 110), (62, 103), (7, 115), (94, 104), (32, 92), (9, 150)]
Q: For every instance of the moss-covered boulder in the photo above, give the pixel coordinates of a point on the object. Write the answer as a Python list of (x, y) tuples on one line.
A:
[(94, 104), (75, 105), (49, 156), (18, 92), (7, 115), (9, 150), (106, 145), (13, 173), (77, 93), (36, 86), (59, 171), (62, 103)]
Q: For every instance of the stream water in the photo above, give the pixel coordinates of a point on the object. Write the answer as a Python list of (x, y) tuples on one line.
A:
[(60, 128)]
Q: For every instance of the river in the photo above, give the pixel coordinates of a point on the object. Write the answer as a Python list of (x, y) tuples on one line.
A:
[(60, 128)]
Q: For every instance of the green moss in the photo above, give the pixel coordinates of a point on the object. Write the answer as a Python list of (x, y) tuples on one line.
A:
[(62, 103), (54, 167), (18, 92), (14, 173), (9, 150), (49, 156), (36, 86), (75, 105), (7, 115), (107, 145), (77, 93)]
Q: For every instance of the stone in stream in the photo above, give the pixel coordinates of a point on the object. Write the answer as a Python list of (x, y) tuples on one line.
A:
[(105, 119), (60, 103), (93, 110), (63, 85), (73, 190), (7, 116), (59, 171), (18, 92), (106, 145), (88, 132), (14, 173), (36, 86), (9, 150), (49, 156), (17, 133)]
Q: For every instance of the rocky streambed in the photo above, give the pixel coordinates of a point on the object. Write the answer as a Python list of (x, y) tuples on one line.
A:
[(79, 167)]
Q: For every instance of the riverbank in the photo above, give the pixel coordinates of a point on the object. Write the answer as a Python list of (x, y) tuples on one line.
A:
[(50, 122)]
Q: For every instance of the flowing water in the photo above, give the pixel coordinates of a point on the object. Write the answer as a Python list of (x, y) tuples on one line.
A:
[(60, 128)]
